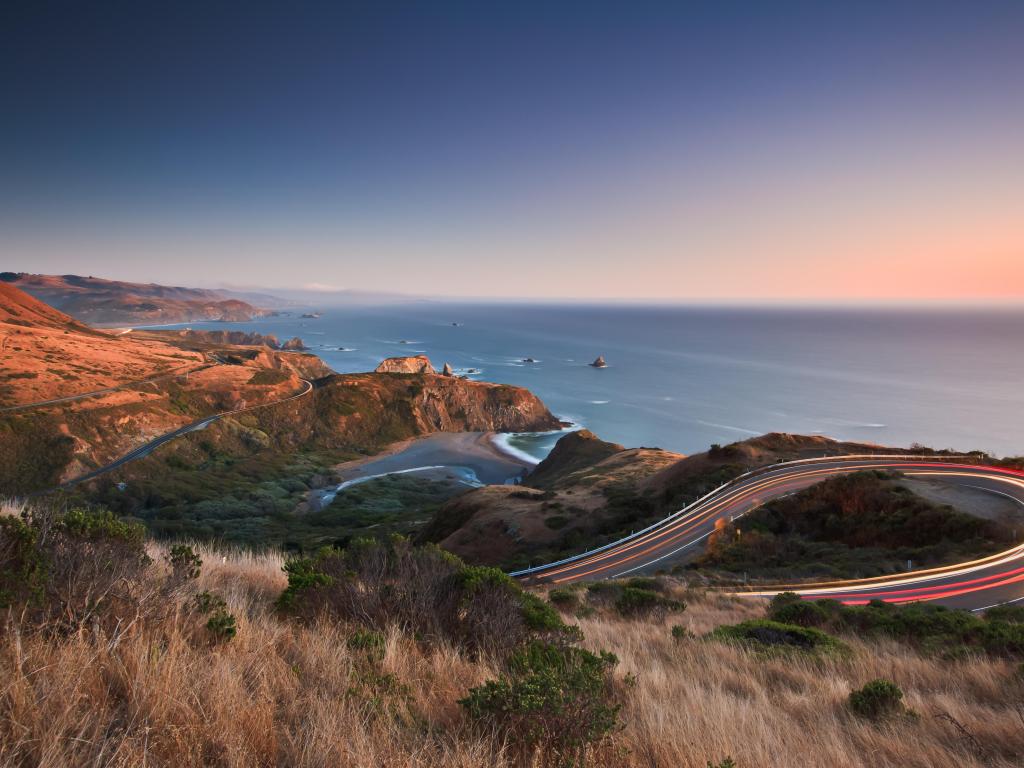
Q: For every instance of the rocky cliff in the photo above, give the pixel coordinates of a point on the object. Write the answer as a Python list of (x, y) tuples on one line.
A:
[(368, 411), (417, 364)]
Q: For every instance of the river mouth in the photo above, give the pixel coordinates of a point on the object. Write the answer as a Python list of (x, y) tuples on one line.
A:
[(464, 459)]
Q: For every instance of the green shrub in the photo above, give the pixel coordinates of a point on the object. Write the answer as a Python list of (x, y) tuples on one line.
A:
[(555, 699), (790, 608), (929, 628), (370, 642), (566, 599), (23, 567), (556, 522), (634, 602), (185, 563), (207, 602), (304, 576), (425, 590), (221, 625), (767, 634), (679, 632), (877, 699), (727, 762), (65, 571), (1013, 614)]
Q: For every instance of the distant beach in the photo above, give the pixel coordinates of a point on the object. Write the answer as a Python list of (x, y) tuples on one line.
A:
[(472, 458)]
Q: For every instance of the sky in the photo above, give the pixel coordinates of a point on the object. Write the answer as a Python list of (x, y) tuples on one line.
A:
[(721, 151)]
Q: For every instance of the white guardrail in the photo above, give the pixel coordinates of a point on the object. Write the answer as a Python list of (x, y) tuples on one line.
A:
[(735, 481)]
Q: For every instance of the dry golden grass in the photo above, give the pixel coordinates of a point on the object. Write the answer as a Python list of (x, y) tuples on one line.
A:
[(285, 694)]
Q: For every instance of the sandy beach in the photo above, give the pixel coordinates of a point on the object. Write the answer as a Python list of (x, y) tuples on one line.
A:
[(471, 450)]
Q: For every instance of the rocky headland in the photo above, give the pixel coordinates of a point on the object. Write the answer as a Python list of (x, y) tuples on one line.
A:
[(411, 364), (97, 301)]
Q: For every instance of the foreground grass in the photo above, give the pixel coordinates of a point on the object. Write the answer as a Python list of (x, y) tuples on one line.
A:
[(300, 693)]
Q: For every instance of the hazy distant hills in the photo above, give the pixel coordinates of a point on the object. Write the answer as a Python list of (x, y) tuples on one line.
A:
[(98, 301)]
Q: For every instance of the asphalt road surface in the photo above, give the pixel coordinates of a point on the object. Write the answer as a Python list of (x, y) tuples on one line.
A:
[(973, 585)]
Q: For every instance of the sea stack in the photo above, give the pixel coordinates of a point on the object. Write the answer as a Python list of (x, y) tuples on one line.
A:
[(599, 363), (294, 345), (447, 370)]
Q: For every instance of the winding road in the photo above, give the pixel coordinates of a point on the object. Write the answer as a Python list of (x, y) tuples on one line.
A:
[(170, 374), (195, 426), (974, 585)]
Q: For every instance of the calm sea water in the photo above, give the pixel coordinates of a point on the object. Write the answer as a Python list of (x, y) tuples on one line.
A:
[(683, 378)]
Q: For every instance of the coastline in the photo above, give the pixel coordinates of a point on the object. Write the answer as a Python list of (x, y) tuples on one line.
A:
[(432, 448), (473, 457)]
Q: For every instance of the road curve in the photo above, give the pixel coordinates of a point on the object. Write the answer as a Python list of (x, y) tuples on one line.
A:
[(973, 585), (152, 445), (173, 373)]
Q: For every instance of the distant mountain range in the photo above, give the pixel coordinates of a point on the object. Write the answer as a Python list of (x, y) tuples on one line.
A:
[(97, 301)]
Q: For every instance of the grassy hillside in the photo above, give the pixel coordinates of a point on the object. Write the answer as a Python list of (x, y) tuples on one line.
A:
[(179, 665), (859, 525)]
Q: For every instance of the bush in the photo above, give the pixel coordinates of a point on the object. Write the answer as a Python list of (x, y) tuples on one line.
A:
[(22, 566), (370, 642), (877, 699), (1013, 614), (566, 599), (929, 628), (790, 608), (207, 602), (72, 570), (767, 634), (635, 602), (679, 632), (424, 590), (552, 698), (220, 624), (185, 563)]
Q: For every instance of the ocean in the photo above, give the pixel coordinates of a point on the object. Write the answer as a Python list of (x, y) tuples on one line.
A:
[(682, 378)]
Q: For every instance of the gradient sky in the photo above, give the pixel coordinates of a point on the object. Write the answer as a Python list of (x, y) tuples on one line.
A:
[(725, 150)]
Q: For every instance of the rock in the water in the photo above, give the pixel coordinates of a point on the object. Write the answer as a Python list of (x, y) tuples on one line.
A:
[(529, 360), (293, 345), (447, 370), (599, 363), (417, 364)]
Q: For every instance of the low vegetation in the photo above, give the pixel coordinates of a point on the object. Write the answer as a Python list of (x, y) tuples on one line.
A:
[(768, 635), (877, 699), (930, 629), (392, 655), (863, 524)]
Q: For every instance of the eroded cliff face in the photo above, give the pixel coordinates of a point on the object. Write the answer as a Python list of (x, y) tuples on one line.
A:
[(416, 364), (368, 411)]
